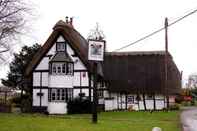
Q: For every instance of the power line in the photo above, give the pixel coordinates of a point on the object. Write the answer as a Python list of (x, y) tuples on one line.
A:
[(153, 33)]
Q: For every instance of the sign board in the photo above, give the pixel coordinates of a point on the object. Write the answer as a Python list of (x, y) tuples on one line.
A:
[(96, 50)]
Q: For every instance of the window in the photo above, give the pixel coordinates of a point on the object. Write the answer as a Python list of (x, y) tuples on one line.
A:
[(60, 46), (70, 68), (130, 99), (100, 93), (149, 97), (62, 68), (60, 95)]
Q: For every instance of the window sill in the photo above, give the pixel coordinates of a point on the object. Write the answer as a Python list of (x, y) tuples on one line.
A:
[(61, 75), (57, 101)]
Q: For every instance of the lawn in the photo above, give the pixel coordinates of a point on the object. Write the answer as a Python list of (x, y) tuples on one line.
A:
[(108, 121)]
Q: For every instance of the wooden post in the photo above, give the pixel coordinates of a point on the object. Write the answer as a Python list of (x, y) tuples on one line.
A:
[(154, 101), (80, 96), (90, 86), (144, 101), (95, 97), (6, 97), (126, 97), (166, 62)]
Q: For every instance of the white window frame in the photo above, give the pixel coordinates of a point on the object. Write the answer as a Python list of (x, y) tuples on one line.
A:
[(60, 46), (60, 94), (62, 68)]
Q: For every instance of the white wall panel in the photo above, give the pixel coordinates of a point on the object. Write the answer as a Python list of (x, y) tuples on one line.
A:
[(78, 65), (61, 81), (44, 64), (76, 81), (86, 91), (57, 108), (45, 78), (36, 78), (76, 93), (149, 104), (45, 97), (159, 104), (52, 51), (36, 98), (60, 39), (85, 79), (69, 50)]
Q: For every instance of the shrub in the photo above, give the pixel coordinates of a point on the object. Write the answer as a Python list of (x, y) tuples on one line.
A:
[(174, 107), (186, 103), (24, 102), (80, 106), (16, 101), (179, 99)]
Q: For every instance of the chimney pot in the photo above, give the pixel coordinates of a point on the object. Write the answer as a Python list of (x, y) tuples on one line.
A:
[(71, 21), (67, 19)]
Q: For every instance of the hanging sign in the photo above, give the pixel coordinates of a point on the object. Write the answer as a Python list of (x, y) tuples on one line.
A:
[(96, 50)]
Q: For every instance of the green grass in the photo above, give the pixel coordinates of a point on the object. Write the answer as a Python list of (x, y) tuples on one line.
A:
[(108, 121)]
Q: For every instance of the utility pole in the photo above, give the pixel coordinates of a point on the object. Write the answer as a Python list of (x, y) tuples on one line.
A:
[(166, 62)]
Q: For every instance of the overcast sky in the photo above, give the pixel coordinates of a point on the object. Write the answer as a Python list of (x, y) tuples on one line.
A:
[(124, 21)]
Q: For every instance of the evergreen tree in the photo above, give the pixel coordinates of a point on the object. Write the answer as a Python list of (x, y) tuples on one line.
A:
[(18, 66)]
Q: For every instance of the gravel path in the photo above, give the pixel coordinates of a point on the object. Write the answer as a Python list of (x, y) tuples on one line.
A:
[(189, 119)]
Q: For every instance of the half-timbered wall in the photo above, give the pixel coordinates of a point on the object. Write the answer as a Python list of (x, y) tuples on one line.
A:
[(42, 78), (117, 101)]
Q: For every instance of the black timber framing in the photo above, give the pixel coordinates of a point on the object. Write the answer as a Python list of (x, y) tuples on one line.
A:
[(41, 71)]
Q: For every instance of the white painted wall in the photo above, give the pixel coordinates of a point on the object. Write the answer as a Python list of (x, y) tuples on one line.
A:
[(57, 108), (52, 51), (78, 65), (113, 104), (44, 64), (60, 39), (36, 78), (36, 98), (149, 104), (110, 104), (85, 79), (61, 81), (76, 92), (45, 78), (159, 104), (76, 80), (86, 91), (45, 97), (69, 50)]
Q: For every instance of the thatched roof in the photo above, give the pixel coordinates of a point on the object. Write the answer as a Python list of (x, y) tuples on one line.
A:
[(124, 71), (140, 72), (75, 40)]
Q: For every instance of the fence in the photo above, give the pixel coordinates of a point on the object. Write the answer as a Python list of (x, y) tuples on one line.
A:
[(5, 106)]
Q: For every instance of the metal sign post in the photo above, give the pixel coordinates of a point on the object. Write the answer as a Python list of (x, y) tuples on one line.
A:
[(96, 54)]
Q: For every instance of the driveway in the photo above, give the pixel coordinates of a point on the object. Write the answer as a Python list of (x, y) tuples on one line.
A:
[(189, 119)]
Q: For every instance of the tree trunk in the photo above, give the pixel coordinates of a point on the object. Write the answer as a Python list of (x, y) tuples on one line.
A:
[(144, 101)]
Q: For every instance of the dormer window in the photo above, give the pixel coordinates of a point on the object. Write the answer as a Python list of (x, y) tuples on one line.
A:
[(61, 64), (60, 46)]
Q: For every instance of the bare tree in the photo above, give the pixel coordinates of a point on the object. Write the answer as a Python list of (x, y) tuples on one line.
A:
[(192, 81), (13, 16), (96, 33)]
